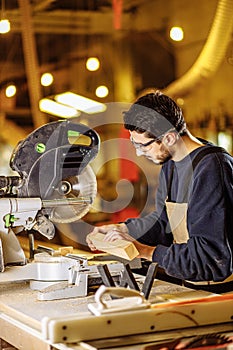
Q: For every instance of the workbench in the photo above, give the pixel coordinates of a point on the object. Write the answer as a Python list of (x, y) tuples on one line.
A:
[(21, 314)]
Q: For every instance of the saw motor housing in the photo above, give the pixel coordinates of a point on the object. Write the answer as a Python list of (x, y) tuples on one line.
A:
[(53, 166)]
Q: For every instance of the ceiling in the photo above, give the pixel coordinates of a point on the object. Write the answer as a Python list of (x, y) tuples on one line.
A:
[(60, 26), (65, 19), (68, 31)]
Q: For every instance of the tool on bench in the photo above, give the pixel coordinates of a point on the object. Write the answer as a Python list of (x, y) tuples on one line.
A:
[(127, 279), (81, 279), (124, 300), (55, 184)]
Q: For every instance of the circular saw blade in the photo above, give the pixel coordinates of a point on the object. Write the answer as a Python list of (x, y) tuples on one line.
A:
[(73, 197)]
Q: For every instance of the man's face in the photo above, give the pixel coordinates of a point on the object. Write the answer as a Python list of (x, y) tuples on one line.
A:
[(150, 148)]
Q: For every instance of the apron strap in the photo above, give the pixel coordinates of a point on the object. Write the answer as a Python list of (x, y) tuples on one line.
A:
[(169, 186), (200, 155), (204, 151)]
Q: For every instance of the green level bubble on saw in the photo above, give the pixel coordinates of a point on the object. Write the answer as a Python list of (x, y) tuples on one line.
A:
[(40, 147), (73, 133)]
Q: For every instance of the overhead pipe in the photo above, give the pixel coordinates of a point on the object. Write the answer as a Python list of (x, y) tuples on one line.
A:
[(211, 55)]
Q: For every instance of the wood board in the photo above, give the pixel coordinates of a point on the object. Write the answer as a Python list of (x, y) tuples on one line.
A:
[(120, 247)]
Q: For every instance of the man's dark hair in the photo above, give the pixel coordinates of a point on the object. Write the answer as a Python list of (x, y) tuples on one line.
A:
[(155, 114)]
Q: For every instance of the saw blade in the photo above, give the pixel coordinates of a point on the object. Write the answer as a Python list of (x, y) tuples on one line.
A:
[(73, 197)]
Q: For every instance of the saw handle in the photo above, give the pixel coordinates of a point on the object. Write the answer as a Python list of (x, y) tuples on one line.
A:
[(117, 292)]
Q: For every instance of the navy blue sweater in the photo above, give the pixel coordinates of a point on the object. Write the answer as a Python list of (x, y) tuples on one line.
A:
[(208, 254)]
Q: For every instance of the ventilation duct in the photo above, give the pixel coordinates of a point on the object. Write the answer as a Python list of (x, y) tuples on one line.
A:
[(211, 55)]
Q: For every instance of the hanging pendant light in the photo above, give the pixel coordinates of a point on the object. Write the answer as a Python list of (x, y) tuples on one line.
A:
[(5, 25)]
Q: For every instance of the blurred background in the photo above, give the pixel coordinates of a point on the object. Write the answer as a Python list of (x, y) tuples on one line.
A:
[(111, 52)]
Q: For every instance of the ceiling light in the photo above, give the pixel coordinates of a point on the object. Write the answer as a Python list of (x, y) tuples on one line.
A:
[(176, 33), (81, 103), (49, 106), (10, 90), (92, 64), (4, 26), (46, 79), (101, 91)]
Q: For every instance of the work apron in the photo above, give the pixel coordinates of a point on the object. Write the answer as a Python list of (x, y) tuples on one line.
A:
[(177, 216), (177, 213)]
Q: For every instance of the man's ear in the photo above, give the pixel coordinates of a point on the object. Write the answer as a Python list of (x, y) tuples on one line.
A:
[(170, 139)]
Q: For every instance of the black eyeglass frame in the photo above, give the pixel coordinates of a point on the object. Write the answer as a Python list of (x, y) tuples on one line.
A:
[(139, 145)]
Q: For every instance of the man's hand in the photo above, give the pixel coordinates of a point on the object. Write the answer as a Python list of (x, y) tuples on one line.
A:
[(112, 231), (120, 231)]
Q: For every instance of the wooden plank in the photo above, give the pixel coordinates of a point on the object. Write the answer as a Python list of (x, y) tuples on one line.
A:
[(120, 247), (24, 242)]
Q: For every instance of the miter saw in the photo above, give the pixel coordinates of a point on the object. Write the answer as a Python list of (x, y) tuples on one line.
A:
[(55, 184)]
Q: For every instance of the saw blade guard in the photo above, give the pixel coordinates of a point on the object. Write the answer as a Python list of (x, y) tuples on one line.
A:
[(53, 164)]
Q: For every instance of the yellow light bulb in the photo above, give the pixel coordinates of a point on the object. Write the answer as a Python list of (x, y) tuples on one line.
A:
[(46, 79), (92, 64), (101, 91), (10, 91), (5, 26), (176, 33)]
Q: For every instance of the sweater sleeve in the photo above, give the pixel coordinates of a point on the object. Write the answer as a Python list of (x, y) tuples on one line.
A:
[(149, 230), (153, 228), (208, 253)]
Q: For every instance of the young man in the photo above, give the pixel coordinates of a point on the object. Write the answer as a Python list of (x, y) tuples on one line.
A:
[(190, 233)]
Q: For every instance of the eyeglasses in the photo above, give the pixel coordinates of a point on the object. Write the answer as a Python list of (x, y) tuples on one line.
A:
[(142, 146)]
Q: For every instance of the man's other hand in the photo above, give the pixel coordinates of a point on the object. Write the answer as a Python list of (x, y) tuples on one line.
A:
[(112, 232)]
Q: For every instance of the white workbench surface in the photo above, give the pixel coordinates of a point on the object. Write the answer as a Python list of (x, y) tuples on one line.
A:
[(21, 313)]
